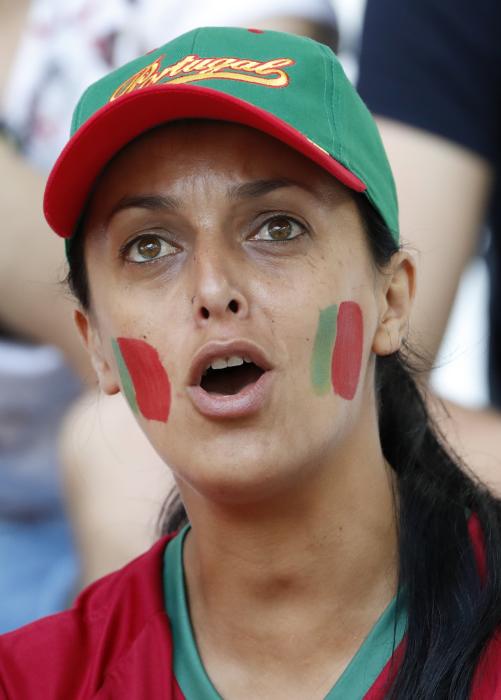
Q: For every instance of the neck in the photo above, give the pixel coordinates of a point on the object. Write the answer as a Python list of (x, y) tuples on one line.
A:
[(338, 530), (310, 564)]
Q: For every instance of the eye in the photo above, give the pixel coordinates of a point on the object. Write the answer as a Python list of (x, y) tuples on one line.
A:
[(279, 228), (147, 248)]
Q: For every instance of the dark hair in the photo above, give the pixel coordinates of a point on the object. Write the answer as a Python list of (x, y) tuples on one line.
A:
[(452, 612)]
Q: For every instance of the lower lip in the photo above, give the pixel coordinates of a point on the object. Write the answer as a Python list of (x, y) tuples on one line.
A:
[(248, 401)]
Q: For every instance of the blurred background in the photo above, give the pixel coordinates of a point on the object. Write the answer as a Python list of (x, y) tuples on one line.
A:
[(80, 489)]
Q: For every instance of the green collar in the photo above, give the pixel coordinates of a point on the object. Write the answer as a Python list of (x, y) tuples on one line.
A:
[(188, 667)]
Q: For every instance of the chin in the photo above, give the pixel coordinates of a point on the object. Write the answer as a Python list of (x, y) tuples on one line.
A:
[(238, 475), (246, 461)]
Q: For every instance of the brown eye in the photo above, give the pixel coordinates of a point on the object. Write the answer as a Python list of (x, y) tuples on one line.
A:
[(148, 248), (279, 228)]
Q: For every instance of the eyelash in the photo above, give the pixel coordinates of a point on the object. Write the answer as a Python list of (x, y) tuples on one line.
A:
[(126, 247), (291, 219)]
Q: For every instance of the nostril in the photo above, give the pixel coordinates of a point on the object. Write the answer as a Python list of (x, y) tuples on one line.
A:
[(233, 306), (205, 312)]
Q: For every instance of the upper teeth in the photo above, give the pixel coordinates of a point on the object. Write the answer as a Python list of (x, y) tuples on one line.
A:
[(224, 362)]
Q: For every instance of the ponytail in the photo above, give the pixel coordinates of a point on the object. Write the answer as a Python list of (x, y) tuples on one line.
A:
[(452, 613)]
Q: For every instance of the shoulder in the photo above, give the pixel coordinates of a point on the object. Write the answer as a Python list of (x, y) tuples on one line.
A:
[(99, 641), (115, 482)]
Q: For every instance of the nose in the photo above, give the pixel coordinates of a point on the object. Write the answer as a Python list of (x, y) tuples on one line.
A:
[(217, 295)]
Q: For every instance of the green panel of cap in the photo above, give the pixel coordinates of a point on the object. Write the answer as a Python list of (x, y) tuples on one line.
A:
[(315, 97)]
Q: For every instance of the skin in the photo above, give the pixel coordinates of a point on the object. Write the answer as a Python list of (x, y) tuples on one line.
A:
[(279, 499), (114, 483)]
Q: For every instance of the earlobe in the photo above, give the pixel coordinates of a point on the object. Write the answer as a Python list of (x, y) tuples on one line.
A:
[(397, 295), (92, 341)]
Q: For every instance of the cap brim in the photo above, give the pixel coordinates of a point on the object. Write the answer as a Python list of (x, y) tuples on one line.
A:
[(119, 122)]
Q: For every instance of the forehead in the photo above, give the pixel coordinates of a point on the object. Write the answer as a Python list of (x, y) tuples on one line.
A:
[(175, 153)]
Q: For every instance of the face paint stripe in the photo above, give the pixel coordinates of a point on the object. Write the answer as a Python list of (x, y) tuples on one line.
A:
[(125, 378), (347, 355), (149, 377), (322, 350)]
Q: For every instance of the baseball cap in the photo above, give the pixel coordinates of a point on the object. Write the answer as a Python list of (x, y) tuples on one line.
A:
[(290, 87)]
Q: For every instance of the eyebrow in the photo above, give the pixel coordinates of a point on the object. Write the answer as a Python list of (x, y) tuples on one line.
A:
[(148, 201), (247, 190)]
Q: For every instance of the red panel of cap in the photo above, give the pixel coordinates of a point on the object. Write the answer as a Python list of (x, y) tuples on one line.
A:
[(119, 122)]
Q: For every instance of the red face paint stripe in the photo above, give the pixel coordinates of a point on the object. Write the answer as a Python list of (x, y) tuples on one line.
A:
[(347, 355), (151, 383)]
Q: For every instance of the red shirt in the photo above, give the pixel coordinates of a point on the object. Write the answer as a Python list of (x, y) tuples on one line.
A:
[(116, 643)]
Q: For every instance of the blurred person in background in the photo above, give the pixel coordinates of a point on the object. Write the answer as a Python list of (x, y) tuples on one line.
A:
[(430, 70), (38, 564), (113, 480)]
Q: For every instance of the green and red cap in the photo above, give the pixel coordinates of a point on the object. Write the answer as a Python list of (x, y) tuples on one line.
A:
[(289, 87)]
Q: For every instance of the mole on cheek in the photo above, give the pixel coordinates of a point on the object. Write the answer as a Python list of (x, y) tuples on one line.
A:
[(144, 380)]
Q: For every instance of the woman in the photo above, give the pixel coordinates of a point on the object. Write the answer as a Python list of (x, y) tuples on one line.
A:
[(240, 280)]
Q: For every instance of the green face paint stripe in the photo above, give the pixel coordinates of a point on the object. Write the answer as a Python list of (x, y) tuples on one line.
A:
[(127, 385), (322, 350)]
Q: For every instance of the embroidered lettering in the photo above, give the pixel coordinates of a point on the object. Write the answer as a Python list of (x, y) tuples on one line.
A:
[(193, 68)]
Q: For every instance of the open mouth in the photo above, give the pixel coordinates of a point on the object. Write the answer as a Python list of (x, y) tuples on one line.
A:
[(230, 380)]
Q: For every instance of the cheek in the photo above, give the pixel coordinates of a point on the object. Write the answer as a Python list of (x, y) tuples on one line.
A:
[(337, 351), (144, 379)]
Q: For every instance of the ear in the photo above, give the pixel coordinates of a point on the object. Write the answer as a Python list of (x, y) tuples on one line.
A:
[(396, 296), (92, 341)]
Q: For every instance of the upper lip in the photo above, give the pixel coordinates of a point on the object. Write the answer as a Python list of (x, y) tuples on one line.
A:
[(223, 348)]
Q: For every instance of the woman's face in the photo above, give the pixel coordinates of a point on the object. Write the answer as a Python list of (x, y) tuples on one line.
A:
[(210, 245)]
